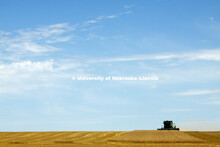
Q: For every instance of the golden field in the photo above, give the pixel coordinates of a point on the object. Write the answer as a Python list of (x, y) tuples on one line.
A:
[(139, 138), (155, 136)]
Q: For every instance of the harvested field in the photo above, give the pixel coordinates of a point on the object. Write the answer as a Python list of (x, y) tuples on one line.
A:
[(109, 139), (210, 137), (56, 138), (155, 136)]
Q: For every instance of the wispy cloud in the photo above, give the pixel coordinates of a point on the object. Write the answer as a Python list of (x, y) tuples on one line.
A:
[(107, 17), (112, 16), (36, 40), (43, 39), (129, 6), (213, 100), (176, 110), (94, 36), (102, 17), (60, 39), (30, 47), (91, 21), (197, 92), (212, 55), (46, 32)]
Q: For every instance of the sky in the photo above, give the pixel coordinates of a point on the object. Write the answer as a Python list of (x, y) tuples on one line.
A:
[(45, 43)]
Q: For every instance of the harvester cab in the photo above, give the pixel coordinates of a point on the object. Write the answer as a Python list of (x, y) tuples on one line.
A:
[(168, 125)]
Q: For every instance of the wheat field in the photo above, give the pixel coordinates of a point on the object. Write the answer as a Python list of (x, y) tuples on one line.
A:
[(155, 136), (139, 138)]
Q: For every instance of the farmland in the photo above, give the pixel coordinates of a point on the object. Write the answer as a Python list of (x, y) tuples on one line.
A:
[(137, 138), (154, 136)]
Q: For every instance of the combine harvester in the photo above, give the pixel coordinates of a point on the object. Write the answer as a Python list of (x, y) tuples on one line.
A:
[(168, 125)]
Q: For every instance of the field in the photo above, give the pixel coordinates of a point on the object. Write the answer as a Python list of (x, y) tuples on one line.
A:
[(154, 136), (139, 138)]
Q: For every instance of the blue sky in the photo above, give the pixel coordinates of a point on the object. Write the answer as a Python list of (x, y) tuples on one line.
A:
[(44, 43)]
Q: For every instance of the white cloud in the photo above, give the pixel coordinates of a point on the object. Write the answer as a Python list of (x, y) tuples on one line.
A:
[(46, 32), (42, 39), (205, 55), (36, 40), (211, 55), (25, 75), (197, 92), (60, 25), (21, 76), (30, 47), (106, 17), (8, 71), (17, 77), (112, 16), (91, 21)]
